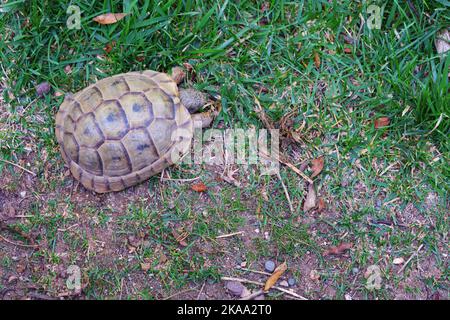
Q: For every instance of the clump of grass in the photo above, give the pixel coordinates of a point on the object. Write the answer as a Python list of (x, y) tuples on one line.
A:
[(432, 99)]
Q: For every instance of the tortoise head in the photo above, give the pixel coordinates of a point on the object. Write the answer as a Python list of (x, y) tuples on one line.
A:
[(192, 99)]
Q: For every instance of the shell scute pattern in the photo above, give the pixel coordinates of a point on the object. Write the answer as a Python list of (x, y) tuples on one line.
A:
[(117, 132)]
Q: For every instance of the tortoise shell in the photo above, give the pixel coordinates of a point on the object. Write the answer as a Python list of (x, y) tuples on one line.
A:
[(121, 130)]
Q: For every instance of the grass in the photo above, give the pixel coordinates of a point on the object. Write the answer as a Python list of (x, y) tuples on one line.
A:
[(236, 49)]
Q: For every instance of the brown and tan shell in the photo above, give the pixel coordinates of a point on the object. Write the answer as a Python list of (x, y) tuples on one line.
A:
[(120, 131)]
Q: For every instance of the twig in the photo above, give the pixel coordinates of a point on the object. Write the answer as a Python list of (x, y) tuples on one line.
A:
[(178, 293), (413, 8), (180, 180), (282, 159), (20, 167), (286, 193), (18, 244), (253, 295), (229, 235), (292, 293), (410, 258), (255, 271), (201, 290)]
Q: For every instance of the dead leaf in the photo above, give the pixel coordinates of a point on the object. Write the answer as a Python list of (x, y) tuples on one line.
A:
[(381, 122), (310, 201), (145, 266), (178, 74), (188, 66), (317, 166), (317, 59), (322, 205), (338, 250), (398, 260), (109, 18), (268, 123), (442, 41), (180, 238), (277, 273), (199, 187), (109, 46)]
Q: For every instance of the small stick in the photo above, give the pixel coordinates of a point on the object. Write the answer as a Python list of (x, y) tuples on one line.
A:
[(18, 244), (253, 295), (201, 290), (292, 293), (178, 293), (16, 165), (284, 161), (410, 258), (286, 193), (255, 271), (229, 235), (180, 180)]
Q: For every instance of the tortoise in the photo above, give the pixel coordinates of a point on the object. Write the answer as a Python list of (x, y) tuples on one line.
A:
[(123, 129)]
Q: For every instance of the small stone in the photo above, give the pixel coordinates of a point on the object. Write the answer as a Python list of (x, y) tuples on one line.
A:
[(269, 266), (43, 88), (348, 297), (355, 270), (257, 230), (243, 264), (23, 194), (291, 282), (398, 260), (284, 283), (235, 288)]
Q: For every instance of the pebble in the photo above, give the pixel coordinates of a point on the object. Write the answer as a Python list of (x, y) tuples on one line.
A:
[(235, 288), (355, 270), (284, 283), (269, 266), (23, 194), (43, 88), (291, 282)]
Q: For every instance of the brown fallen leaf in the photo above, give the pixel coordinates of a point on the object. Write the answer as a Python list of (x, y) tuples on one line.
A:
[(145, 266), (180, 238), (199, 187), (109, 46), (338, 249), (317, 59), (381, 122), (311, 197), (321, 205), (277, 273), (317, 166), (109, 18)]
